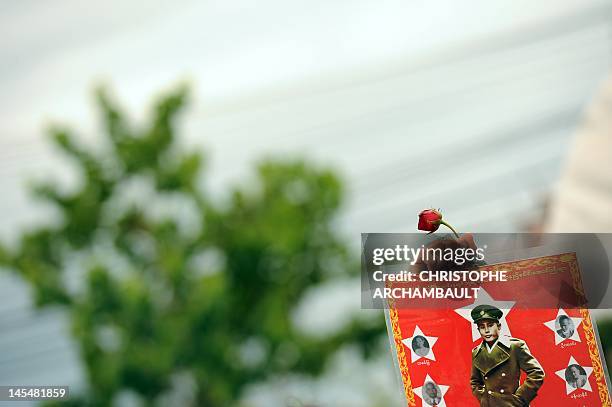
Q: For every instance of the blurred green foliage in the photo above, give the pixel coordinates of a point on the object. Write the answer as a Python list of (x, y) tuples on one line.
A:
[(604, 327), (205, 289)]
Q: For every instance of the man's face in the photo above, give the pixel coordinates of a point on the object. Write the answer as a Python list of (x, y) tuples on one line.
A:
[(575, 372), (489, 330), (420, 342), (565, 325), (431, 389)]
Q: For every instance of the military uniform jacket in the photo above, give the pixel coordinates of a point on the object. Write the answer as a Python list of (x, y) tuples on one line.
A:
[(495, 375)]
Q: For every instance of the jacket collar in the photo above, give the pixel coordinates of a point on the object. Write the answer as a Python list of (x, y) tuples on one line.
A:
[(503, 339), (485, 361)]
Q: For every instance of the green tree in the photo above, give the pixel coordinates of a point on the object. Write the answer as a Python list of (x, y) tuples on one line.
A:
[(193, 288)]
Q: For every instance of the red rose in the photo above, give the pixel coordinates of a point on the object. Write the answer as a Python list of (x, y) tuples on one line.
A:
[(431, 219)]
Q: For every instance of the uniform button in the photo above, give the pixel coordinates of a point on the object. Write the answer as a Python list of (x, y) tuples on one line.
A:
[(485, 377), (503, 374), (490, 392), (501, 391)]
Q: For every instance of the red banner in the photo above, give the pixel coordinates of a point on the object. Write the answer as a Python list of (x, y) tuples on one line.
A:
[(434, 346)]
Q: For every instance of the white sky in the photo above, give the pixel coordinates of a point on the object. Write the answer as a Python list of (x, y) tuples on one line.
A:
[(52, 52)]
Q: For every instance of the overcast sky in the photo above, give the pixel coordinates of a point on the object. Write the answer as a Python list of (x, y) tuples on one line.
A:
[(333, 80)]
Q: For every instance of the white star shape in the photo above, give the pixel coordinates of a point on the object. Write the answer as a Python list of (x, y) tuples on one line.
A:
[(443, 389), (552, 326), (568, 387), (430, 339), (484, 298)]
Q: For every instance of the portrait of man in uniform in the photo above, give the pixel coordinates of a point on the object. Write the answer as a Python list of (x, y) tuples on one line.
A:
[(566, 326), (498, 361), (575, 376), (432, 394), (420, 345)]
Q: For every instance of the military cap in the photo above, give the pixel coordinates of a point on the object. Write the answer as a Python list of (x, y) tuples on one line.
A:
[(486, 312)]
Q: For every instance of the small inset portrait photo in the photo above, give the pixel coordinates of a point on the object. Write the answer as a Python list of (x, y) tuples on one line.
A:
[(565, 326), (420, 345), (575, 376), (432, 395)]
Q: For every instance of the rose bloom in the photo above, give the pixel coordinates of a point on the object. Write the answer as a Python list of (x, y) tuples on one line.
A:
[(429, 220)]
